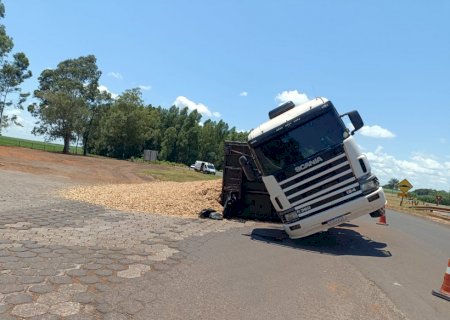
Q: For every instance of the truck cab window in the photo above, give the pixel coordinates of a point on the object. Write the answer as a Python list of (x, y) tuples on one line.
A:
[(300, 143)]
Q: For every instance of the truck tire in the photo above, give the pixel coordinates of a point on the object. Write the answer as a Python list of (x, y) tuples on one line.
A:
[(377, 214)]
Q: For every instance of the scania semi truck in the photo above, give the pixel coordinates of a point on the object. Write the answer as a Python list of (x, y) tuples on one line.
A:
[(315, 173)]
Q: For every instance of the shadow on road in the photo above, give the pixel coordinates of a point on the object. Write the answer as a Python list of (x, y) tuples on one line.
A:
[(336, 241)]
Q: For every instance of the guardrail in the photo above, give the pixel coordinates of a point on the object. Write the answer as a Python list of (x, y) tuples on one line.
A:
[(431, 208)]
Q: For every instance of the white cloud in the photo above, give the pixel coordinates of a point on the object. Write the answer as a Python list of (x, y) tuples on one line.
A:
[(243, 94), (294, 96), (182, 102), (376, 131), (13, 112), (145, 88), (103, 88), (425, 162), (379, 149), (115, 75), (27, 122), (18, 114), (423, 171)]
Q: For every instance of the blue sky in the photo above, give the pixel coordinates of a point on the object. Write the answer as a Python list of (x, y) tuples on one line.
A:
[(236, 60)]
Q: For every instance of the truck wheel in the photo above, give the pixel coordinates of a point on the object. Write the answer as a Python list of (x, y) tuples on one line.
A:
[(377, 214)]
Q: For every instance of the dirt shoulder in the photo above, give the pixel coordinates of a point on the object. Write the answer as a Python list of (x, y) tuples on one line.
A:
[(394, 204), (116, 184), (79, 169)]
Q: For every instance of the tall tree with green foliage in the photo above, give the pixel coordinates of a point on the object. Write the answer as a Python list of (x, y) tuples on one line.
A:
[(13, 72), (187, 140), (207, 144), (169, 145), (234, 135), (392, 183), (96, 108), (64, 94), (124, 127), (153, 128)]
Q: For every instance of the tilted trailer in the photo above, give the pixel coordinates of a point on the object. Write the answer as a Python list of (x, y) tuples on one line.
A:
[(240, 197)]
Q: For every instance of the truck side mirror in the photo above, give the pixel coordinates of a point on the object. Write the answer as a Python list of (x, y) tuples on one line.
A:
[(356, 120), (246, 167)]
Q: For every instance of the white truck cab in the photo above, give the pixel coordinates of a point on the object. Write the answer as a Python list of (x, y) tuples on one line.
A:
[(314, 171)]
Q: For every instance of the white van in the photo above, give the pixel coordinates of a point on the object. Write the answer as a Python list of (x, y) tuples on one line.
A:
[(205, 167)]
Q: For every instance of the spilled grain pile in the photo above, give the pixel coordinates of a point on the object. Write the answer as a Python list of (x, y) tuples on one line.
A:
[(160, 197)]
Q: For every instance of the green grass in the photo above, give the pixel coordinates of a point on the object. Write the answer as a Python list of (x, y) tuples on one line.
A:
[(391, 191), (161, 162), (178, 174), (38, 145)]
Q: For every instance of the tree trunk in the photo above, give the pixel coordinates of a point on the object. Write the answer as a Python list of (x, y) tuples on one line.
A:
[(86, 134), (1, 119), (66, 144), (85, 142)]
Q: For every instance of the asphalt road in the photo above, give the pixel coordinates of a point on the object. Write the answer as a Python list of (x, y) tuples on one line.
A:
[(420, 250), (63, 259), (358, 271)]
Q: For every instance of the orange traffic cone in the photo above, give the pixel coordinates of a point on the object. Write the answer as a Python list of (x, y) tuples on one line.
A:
[(382, 220), (444, 293)]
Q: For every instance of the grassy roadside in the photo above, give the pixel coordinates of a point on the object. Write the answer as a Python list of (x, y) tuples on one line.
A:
[(177, 174), (38, 145), (394, 204)]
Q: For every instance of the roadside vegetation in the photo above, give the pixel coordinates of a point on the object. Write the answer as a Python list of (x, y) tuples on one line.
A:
[(170, 173), (38, 145), (429, 196), (13, 71)]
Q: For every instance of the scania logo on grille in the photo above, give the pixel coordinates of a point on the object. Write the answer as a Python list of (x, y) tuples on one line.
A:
[(308, 164)]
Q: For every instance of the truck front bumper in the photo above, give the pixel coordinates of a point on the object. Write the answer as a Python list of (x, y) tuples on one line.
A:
[(337, 215)]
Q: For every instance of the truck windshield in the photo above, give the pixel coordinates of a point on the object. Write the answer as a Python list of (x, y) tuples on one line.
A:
[(300, 143)]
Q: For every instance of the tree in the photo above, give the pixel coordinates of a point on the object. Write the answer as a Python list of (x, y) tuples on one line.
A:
[(124, 126), (153, 128), (101, 101), (12, 73), (187, 142), (64, 94), (168, 145), (392, 183), (234, 135)]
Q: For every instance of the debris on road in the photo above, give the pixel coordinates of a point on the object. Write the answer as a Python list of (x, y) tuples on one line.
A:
[(159, 197), (211, 214)]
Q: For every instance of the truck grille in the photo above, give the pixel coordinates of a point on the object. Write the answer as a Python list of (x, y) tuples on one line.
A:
[(325, 185)]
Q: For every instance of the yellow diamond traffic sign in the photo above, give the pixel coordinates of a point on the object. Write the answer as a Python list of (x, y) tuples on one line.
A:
[(404, 185)]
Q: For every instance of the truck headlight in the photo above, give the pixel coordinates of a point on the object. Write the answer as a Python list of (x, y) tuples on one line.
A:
[(369, 185), (290, 216)]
